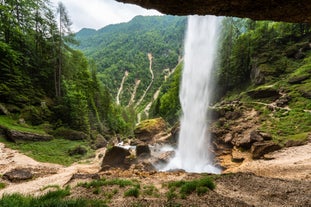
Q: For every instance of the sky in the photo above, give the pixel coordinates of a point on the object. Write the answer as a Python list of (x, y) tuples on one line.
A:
[(99, 13)]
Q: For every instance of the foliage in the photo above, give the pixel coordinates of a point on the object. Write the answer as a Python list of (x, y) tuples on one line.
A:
[(246, 45), (41, 76), (167, 105), (200, 186), (124, 47), (2, 185), (134, 192), (52, 198), (104, 182), (10, 123)]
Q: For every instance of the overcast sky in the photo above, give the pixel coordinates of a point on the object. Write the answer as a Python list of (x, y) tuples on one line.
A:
[(99, 13)]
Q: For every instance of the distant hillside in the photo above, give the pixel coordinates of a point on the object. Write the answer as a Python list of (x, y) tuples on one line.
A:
[(123, 47)]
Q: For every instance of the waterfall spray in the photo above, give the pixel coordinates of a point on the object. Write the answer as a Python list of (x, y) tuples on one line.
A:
[(194, 146)]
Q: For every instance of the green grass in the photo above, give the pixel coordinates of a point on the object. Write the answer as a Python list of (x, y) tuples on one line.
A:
[(52, 198), (132, 192), (290, 125), (2, 185), (54, 151), (104, 182), (200, 186), (10, 123)]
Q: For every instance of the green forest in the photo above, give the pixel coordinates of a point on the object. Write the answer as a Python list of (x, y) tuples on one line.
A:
[(124, 47)]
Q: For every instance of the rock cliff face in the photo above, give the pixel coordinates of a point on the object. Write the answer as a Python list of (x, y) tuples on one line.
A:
[(277, 10)]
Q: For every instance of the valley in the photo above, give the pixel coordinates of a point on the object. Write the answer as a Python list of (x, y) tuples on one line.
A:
[(93, 120)]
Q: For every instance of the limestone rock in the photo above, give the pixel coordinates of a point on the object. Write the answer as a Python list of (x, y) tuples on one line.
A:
[(261, 148), (289, 10), (147, 129), (100, 141), (298, 79), (15, 136), (247, 140), (263, 92), (257, 76), (18, 175), (306, 93), (293, 143), (115, 158), (142, 150), (265, 136), (237, 155), (79, 150)]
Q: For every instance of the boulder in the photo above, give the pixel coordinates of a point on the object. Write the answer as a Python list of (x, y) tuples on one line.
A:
[(175, 134), (70, 134), (228, 138), (265, 136), (257, 77), (116, 158), (247, 141), (100, 141), (4, 110), (147, 129), (259, 149), (142, 150), (237, 155), (293, 143), (255, 136), (18, 175), (298, 79), (306, 93), (283, 101), (15, 136), (263, 92), (79, 150)]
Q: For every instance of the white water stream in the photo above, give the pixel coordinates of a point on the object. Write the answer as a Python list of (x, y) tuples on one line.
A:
[(194, 153)]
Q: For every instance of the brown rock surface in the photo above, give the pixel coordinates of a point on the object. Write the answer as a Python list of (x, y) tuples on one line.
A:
[(146, 130), (115, 158), (278, 10)]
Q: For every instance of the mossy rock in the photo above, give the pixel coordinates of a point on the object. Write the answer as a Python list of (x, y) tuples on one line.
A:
[(264, 92), (147, 129), (70, 134), (299, 79)]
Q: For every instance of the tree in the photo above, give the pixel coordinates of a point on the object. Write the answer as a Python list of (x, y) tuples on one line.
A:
[(65, 35)]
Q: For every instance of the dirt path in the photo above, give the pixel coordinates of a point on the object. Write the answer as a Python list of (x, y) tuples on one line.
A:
[(45, 174), (284, 180), (289, 163), (126, 73)]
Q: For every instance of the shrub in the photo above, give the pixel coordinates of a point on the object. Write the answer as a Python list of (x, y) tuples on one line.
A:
[(132, 192), (2, 185)]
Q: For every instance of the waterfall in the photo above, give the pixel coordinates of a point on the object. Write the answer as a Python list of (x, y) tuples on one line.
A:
[(194, 153)]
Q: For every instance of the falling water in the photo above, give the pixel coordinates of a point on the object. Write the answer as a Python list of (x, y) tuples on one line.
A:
[(194, 153)]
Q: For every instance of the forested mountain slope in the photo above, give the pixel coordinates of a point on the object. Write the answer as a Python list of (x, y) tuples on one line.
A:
[(123, 47)]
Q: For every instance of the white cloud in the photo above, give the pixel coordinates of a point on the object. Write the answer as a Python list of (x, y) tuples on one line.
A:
[(99, 13)]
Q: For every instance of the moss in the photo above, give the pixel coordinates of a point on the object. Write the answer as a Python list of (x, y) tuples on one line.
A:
[(200, 186), (54, 151), (10, 123), (2, 185), (134, 192)]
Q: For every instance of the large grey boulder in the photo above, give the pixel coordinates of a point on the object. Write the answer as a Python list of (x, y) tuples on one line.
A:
[(16, 136), (18, 175)]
